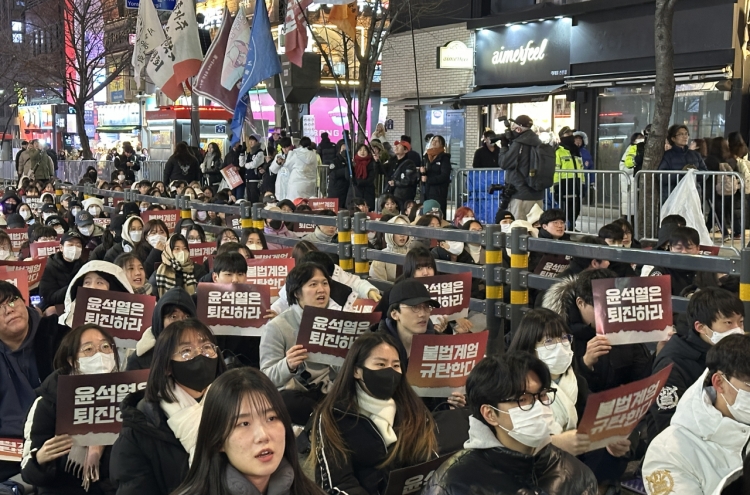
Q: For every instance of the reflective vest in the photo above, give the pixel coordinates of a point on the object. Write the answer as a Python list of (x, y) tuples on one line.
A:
[(565, 161)]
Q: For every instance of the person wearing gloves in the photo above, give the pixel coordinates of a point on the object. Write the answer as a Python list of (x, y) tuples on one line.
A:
[(53, 463), (175, 305), (177, 269), (160, 424), (706, 441), (395, 243), (253, 158), (300, 168), (91, 233), (322, 233), (61, 268), (276, 228), (100, 275)]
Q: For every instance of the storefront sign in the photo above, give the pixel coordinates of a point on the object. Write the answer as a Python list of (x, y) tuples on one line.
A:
[(327, 334), (34, 118), (523, 53), (159, 4), (118, 115), (455, 55), (234, 309)]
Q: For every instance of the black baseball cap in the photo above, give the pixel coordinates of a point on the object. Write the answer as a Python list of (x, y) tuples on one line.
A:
[(84, 218), (411, 293)]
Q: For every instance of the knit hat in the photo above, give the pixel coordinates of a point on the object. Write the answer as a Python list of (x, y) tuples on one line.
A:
[(130, 208), (405, 144), (534, 215), (93, 202), (432, 207)]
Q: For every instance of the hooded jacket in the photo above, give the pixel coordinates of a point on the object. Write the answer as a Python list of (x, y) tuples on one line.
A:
[(387, 272), (302, 167), (438, 181), (114, 275), (486, 466), (57, 276), (144, 350), (123, 242), (147, 458), (52, 477), (326, 150), (10, 195), (698, 449), (623, 364), (516, 161)]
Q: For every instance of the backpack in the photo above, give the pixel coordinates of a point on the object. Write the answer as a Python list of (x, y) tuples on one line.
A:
[(723, 184), (541, 167)]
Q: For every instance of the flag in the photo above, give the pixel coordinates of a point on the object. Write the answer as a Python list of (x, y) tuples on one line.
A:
[(236, 50), (262, 63), (148, 34), (295, 30), (207, 82), (344, 17), (179, 56)]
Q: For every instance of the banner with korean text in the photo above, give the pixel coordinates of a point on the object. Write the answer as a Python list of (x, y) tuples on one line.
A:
[(17, 238), (317, 204), (199, 251), (19, 278), (358, 305), (169, 217), (328, 334), (124, 315), (44, 249), (34, 268), (266, 254), (11, 449), (234, 309), (271, 272), (552, 265), (453, 292)]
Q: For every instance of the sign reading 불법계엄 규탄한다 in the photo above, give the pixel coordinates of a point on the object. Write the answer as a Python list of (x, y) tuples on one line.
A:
[(270, 271)]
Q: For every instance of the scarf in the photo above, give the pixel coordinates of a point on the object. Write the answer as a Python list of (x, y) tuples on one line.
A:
[(381, 412), (83, 462), (146, 289), (279, 484), (433, 153), (166, 274), (183, 417), (564, 407), (360, 166)]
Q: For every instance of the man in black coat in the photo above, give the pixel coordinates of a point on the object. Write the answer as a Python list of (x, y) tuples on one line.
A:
[(127, 162), (411, 154), (326, 149), (405, 177), (60, 270), (487, 156)]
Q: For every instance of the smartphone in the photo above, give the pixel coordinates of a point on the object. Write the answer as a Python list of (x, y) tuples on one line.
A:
[(36, 301)]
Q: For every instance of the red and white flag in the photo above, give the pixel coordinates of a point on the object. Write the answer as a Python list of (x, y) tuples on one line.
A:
[(296, 30)]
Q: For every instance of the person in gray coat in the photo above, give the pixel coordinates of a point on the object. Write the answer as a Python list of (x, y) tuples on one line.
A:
[(515, 159)]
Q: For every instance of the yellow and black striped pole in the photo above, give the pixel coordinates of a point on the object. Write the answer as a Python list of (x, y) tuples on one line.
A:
[(344, 227), (359, 245), (184, 205), (519, 265), (250, 217), (745, 285), (494, 275)]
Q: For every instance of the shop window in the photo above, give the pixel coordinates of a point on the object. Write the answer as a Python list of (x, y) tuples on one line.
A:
[(441, 121), (17, 30), (550, 115)]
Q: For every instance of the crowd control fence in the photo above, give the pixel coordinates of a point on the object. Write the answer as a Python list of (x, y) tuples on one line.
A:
[(500, 277)]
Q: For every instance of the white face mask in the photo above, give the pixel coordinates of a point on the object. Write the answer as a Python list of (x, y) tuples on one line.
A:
[(717, 336), (474, 248), (455, 247), (25, 214), (136, 235), (4, 253), (75, 211), (86, 230), (59, 229), (121, 177), (154, 240), (741, 408), (201, 215), (71, 253), (181, 257), (194, 241), (505, 228), (255, 247), (143, 209), (96, 364), (95, 210), (530, 428), (557, 359), (466, 219)]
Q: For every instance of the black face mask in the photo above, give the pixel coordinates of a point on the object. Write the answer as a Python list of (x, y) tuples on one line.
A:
[(196, 374), (9, 208), (381, 384), (92, 175), (275, 224)]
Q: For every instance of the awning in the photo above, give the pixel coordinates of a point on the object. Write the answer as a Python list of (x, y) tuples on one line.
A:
[(427, 100), (510, 95), (117, 128)]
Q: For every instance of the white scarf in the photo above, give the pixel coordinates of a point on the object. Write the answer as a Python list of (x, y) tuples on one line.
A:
[(564, 407), (380, 412), (184, 417)]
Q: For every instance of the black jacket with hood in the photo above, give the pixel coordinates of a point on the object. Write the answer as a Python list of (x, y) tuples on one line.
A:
[(516, 161), (52, 477), (56, 278), (144, 350)]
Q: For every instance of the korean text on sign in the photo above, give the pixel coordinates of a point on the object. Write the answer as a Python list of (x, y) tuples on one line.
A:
[(634, 304), (412, 479), (448, 361), (124, 315), (328, 334), (11, 449), (241, 305)]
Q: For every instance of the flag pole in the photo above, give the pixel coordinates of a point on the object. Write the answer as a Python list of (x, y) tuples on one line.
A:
[(286, 105)]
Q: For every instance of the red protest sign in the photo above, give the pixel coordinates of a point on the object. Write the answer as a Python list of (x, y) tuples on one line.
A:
[(200, 250), (551, 265), (232, 176), (413, 478), (233, 221), (234, 309), (17, 237), (88, 406), (440, 364), (613, 414), (374, 216), (328, 334), (267, 254), (709, 250), (169, 217), (452, 291), (270, 272), (360, 306), (19, 278), (11, 449), (124, 315), (324, 204), (35, 268), (44, 249), (102, 222), (633, 310)]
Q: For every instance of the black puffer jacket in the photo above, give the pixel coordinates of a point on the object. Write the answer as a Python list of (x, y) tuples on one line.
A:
[(438, 172), (147, 458), (487, 467), (405, 178), (516, 161), (52, 478), (56, 278), (338, 179)]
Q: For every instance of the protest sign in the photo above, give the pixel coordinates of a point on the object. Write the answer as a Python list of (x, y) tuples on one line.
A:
[(102, 222), (169, 217), (440, 364), (357, 305), (271, 272), (551, 265), (324, 204), (709, 250), (17, 238), (232, 176), (632, 310), (266, 254), (88, 406), (11, 449), (613, 414), (19, 278), (124, 315), (200, 250), (412, 479), (35, 268), (34, 203), (452, 291), (303, 228), (44, 249), (374, 216), (234, 309), (328, 334), (233, 221)]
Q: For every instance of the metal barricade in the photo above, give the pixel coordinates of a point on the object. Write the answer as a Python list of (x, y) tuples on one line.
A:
[(724, 213), (73, 170), (8, 172), (152, 170)]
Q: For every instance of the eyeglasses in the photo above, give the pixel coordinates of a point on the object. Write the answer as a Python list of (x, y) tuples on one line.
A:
[(9, 304), (550, 344), (419, 308), (526, 401), (558, 223), (90, 349), (188, 352)]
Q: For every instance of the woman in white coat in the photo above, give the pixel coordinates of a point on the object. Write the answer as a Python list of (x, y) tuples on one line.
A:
[(301, 165)]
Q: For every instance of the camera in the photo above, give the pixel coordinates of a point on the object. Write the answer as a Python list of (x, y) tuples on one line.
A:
[(507, 136), (506, 193)]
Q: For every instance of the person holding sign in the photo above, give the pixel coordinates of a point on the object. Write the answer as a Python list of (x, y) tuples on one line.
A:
[(177, 269), (60, 270), (160, 424), (396, 243), (708, 435), (53, 463), (100, 275), (509, 450), (370, 423)]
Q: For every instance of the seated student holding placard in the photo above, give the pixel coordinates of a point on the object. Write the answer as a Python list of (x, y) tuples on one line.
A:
[(370, 423), (52, 463)]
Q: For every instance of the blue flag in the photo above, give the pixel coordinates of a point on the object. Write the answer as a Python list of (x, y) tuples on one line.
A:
[(262, 62)]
